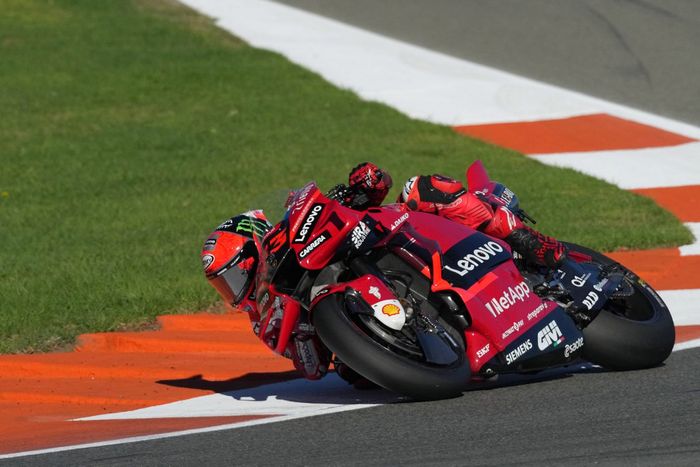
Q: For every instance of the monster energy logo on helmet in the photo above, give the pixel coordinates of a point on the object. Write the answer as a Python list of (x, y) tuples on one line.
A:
[(246, 224)]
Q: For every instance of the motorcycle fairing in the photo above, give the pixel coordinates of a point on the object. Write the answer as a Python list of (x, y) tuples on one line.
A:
[(506, 317), (315, 228), (279, 316), (471, 259), (550, 341), (380, 300), (499, 304), (321, 228)]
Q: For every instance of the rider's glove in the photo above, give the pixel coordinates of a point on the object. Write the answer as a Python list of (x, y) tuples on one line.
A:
[(340, 193), (369, 185)]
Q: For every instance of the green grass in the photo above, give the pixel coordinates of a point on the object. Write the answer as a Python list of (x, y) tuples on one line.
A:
[(129, 129)]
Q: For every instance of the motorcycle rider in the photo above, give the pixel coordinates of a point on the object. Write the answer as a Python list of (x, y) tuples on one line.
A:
[(230, 254), (230, 258), (368, 185)]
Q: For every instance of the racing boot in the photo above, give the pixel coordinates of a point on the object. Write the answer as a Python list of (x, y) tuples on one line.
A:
[(536, 247)]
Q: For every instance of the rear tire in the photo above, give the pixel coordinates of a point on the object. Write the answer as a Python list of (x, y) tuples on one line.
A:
[(631, 333), (397, 373)]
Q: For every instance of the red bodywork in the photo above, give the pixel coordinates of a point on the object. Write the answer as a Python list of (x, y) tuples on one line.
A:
[(500, 305)]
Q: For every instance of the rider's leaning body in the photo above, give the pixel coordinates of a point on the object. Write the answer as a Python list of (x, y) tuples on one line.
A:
[(230, 254)]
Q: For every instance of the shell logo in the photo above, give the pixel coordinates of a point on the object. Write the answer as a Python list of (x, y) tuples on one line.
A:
[(391, 309)]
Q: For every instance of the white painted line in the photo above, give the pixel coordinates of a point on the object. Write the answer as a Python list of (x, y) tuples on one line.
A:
[(172, 434), (421, 83), (693, 248), (332, 389), (684, 305), (639, 168), (297, 397), (687, 345), (292, 400)]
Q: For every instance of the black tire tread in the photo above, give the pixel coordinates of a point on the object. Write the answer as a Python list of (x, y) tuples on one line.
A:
[(617, 343), (385, 368)]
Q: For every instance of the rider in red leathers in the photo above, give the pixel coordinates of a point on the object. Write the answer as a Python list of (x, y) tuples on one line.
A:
[(368, 185), (443, 196), (230, 255)]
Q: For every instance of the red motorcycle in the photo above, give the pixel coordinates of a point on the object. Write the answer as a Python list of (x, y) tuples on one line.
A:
[(421, 305)]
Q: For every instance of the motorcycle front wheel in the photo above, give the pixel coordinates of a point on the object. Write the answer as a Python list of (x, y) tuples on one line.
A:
[(397, 367)]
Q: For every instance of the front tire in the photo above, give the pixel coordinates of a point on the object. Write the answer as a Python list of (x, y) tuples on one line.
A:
[(395, 372), (630, 333)]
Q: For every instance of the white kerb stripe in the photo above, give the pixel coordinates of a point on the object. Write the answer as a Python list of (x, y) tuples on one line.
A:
[(684, 306), (638, 168), (421, 83), (693, 248)]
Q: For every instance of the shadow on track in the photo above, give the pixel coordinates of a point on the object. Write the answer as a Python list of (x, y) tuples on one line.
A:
[(332, 389)]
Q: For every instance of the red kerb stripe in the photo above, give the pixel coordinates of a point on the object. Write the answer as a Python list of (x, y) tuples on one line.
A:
[(597, 132)]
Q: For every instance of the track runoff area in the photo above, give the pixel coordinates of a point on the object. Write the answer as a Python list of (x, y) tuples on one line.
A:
[(127, 387)]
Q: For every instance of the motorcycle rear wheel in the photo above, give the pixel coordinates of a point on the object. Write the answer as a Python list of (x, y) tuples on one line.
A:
[(630, 333), (368, 357)]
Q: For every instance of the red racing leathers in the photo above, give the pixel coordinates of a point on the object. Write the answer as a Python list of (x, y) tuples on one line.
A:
[(448, 198)]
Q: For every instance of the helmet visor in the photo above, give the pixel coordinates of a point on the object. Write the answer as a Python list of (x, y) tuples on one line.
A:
[(232, 284)]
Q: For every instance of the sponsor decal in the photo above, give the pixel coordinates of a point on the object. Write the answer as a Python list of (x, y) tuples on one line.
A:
[(510, 217), (276, 316), (536, 312), (569, 349), (580, 281), (515, 327), (313, 245), (359, 234), (227, 224), (408, 187), (308, 226), (507, 195), (390, 313), (456, 202), (207, 260), (253, 226), (210, 244), (321, 292), (305, 328), (476, 258), (518, 352), (301, 198), (375, 292), (599, 286), (483, 351), (590, 300), (549, 335), (391, 309), (245, 224), (399, 221), (263, 301), (308, 356), (510, 297)]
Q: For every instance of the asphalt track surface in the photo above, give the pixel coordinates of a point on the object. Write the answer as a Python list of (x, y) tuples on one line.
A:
[(591, 417), (635, 52), (642, 53)]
